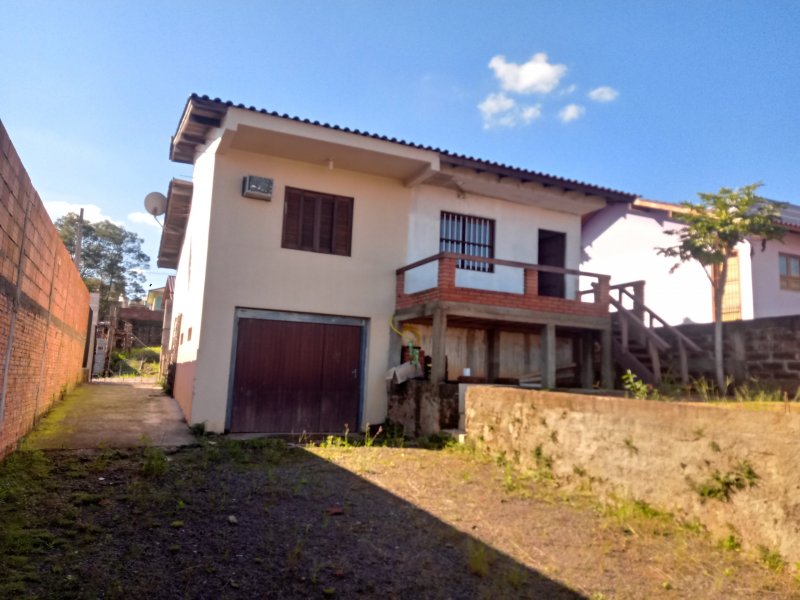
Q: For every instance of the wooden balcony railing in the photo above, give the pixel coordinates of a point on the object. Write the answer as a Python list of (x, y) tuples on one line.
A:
[(510, 284)]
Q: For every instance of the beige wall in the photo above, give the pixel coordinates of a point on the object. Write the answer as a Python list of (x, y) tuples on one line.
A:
[(659, 452), (191, 280), (248, 268)]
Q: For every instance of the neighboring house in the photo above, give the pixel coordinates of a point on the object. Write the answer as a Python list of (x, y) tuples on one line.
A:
[(155, 299), (299, 247), (623, 241), (145, 325)]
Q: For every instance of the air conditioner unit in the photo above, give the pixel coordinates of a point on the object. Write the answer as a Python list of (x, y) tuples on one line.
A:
[(256, 187)]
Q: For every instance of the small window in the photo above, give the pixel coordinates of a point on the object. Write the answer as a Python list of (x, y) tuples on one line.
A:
[(317, 222), (789, 265), (189, 335), (181, 339), (463, 234)]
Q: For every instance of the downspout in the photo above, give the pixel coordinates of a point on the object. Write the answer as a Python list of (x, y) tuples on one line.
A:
[(14, 311)]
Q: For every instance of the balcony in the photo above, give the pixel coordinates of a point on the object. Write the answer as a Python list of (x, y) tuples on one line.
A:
[(502, 284), (502, 295)]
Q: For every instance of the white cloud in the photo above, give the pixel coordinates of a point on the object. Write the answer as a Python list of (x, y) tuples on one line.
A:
[(531, 113), (603, 93), (535, 76), (498, 110), (570, 89), (144, 218), (571, 112), (91, 212)]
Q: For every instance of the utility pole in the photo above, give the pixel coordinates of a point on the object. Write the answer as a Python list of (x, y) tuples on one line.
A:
[(79, 241)]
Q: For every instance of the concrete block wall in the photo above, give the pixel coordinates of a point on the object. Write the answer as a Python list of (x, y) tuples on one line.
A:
[(766, 349), (44, 305), (659, 452)]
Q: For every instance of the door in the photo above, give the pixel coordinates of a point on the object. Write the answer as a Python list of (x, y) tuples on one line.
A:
[(552, 252), (292, 376)]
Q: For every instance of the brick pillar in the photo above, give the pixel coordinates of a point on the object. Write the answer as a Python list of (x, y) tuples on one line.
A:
[(602, 292), (447, 274)]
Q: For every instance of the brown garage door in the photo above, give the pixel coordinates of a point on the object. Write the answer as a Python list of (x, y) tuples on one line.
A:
[(291, 377)]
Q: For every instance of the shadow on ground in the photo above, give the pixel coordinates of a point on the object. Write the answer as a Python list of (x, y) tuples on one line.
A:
[(230, 519)]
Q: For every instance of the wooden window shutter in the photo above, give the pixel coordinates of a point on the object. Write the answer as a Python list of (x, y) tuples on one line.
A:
[(308, 222), (291, 219), (342, 225), (326, 216)]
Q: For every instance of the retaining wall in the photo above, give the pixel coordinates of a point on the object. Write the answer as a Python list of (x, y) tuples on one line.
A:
[(766, 349), (661, 452), (44, 305)]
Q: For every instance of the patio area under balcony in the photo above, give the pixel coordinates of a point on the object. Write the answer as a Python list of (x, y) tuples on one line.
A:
[(493, 320)]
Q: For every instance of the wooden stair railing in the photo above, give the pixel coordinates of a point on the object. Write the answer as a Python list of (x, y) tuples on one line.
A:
[(643, 322)]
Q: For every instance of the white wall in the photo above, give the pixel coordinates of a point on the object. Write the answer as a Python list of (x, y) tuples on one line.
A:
[(248, 268), (190, 280), (516, 237), (769, 300), (623, 243)]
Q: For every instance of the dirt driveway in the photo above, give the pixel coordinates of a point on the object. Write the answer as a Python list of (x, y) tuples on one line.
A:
[(113, 413), (258, 519)]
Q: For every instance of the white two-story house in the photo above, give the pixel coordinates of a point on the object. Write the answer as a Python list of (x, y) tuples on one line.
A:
[(302, 249)]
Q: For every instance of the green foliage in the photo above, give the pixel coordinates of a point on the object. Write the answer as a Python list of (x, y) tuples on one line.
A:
[(636, 387), (720, 221), (771, 559), (155, 462), (757, 391), (720, 486), (111, 258), (730, 543)]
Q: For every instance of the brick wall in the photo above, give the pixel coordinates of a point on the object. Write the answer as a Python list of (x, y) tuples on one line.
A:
[(447, 290), (766, 349), (44, 305)]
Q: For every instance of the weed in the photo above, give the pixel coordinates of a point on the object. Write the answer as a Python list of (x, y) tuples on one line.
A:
[(554, 436), (722, 485), (757, 391), (579, 470), (369, 440), (198, 430), (636, 387), (714, 446), (544, 462), (477, 558), (516, 577), (436, 441), (631, 446), (730, 543), (771, 559), (155, 462)]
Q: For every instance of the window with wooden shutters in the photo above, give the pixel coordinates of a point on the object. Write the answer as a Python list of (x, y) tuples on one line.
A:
[(463, 234), (790, 271), (317, 222)]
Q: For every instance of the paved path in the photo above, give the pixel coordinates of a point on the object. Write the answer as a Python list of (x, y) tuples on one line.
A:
[(112, 414)]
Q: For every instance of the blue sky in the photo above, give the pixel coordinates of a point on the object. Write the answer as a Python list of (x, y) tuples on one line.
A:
[(663, 99)]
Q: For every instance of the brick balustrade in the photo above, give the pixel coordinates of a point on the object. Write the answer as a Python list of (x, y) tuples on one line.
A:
[(446, 289)]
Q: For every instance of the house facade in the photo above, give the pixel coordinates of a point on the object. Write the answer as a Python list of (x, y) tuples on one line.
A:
[(623, 241), (308, 256)]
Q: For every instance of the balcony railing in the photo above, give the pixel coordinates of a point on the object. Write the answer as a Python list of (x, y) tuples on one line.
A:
[(507, 284)]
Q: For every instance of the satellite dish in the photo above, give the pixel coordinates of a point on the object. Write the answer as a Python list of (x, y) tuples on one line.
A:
[(155, 203)]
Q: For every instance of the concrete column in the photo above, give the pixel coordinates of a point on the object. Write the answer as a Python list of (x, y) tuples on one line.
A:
[(606, 360), (438, 352), (548, 337), (587, 360)]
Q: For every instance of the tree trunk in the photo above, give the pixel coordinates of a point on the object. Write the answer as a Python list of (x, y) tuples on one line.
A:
[(719, 292)]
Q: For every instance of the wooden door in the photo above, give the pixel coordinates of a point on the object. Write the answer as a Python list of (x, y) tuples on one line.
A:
[(291, 377), (552, 252)]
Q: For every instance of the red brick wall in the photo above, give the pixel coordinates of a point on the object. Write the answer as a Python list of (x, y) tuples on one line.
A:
[(530, 300), (50, 320)]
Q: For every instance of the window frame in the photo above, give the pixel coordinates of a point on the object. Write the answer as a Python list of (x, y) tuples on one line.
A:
[(787, 281), (467, 243), (311, 233)]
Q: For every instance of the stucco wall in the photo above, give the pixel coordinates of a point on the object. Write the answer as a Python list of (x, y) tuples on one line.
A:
[(516, 237), (248, 268), (623, 243), (658, 452), (190, 281), (769, 299)]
